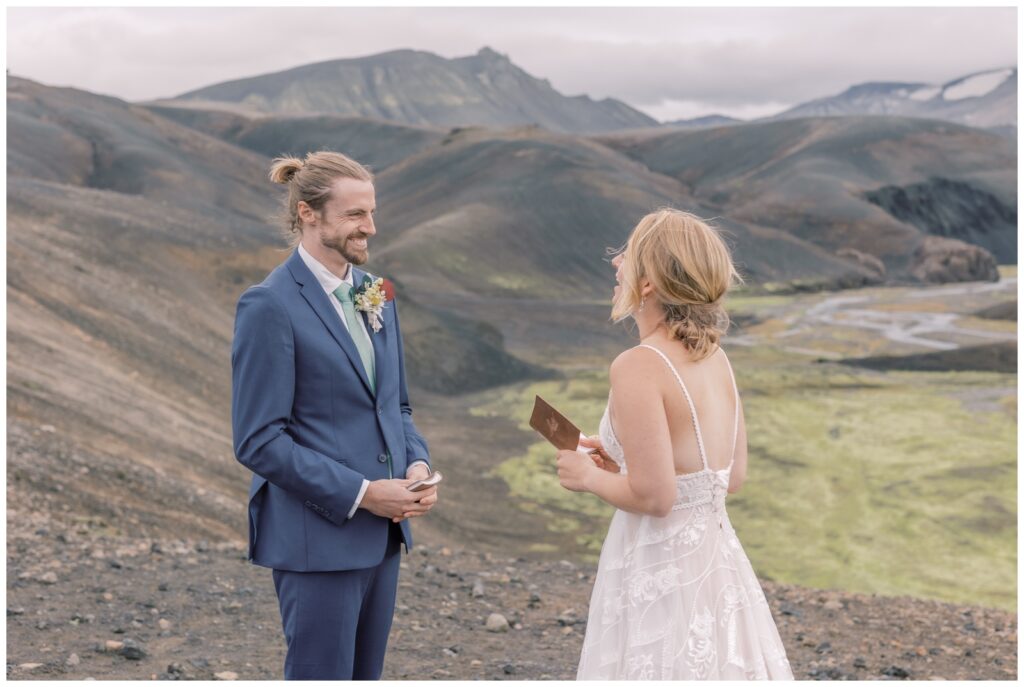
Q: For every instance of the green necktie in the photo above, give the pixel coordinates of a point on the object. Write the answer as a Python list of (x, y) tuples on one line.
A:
[(355, 329)]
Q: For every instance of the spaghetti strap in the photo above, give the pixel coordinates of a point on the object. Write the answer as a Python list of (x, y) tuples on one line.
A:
[(693, 409), (736, 395)]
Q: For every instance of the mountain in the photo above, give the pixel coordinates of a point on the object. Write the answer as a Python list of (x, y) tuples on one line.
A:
[(373, 142), (986, 99), (70, 137), (131, 235), (420, 88), (129, 239), (520, 213), (64, 140), (529, 214), (854, 186), (501, 212), (703, 122), (132, 230), (124, 230)]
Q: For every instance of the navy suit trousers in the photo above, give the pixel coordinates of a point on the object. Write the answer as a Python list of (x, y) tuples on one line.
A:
[(336, 623)]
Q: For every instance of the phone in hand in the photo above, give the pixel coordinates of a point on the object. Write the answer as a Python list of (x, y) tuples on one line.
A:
[(421, 484)]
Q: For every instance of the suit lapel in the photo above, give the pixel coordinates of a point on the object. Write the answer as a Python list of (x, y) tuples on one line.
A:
[(321, 304)]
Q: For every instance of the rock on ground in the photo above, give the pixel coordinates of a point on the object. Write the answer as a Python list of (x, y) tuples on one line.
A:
[(198, 610)]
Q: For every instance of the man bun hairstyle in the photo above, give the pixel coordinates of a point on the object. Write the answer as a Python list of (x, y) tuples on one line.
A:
[(310, 180), (284, 168)]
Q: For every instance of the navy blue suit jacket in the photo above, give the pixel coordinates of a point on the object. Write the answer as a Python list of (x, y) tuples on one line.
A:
[(307, 424)]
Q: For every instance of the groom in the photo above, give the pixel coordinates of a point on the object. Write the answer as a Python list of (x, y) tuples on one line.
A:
[(321, 415)]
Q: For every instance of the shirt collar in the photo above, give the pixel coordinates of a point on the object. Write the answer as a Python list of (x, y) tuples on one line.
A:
[(328, 280)]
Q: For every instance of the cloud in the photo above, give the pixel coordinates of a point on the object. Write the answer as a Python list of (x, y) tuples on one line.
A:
[(731, 60), (813, 54)]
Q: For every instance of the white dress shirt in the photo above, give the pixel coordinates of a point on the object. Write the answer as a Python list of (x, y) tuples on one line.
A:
[(330, 282)]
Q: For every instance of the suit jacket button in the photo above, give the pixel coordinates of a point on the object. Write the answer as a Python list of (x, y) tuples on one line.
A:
[(382, 458), (380, 411)]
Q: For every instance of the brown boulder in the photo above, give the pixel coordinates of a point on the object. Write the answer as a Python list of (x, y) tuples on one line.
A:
[(940, 260)]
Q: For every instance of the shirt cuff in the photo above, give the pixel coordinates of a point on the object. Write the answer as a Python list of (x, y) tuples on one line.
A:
[(359, 499), (417, 462)]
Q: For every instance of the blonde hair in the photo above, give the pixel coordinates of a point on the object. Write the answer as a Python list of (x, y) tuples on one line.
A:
[(310, 180), (689, 267)]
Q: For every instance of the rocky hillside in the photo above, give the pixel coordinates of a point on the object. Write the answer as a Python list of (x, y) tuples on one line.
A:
[(129, 240), (954, 209), (417, 87), (836, 202), (130, 237), (516, 212), (875, 186), (108, 199), (82, 604), (527, 213), (375, 143)]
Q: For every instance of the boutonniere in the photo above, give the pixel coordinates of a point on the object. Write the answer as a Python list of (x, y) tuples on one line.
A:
[(371, 297)]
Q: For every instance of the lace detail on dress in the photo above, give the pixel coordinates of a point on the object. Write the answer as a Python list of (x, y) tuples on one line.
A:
[(676, 597), (692, 489)]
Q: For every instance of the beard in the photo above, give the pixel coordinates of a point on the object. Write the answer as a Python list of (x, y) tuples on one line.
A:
[(356, 256)]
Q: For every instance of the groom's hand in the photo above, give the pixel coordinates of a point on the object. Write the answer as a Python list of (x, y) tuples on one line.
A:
[(427, 497), (390, 498), (417, 471)]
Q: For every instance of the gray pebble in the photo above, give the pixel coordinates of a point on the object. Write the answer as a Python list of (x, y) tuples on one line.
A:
[(496, 622), (132, 651)]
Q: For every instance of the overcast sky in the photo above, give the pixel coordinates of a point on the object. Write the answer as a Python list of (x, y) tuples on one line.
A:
[(669, 62)]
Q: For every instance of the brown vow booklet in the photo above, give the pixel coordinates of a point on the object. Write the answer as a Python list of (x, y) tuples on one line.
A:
[(566, 436)]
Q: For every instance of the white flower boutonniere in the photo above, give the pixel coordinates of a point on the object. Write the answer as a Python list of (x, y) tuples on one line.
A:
[(371, 297)]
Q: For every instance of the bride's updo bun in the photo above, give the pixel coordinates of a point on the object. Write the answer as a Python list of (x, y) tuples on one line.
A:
[(690, 270)]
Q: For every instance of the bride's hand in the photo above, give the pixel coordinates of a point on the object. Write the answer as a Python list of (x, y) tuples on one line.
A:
[(593, 441), (599, 456), (573, 467)]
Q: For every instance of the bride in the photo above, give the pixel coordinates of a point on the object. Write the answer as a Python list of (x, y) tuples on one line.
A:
[(675, 596)]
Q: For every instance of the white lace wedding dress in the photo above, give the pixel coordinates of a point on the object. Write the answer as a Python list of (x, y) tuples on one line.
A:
[(676, 597)]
